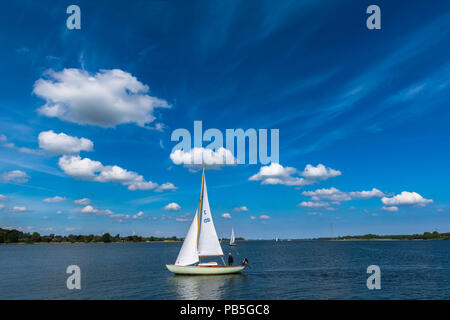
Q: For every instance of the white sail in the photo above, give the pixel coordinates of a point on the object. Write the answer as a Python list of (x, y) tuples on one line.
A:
[(232, 236), (208, 242), (188, 253)]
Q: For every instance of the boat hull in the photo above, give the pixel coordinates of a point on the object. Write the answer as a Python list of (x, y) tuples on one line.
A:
[(204, 270)]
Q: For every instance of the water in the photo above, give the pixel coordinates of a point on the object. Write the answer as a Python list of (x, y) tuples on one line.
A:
[(279, 270)]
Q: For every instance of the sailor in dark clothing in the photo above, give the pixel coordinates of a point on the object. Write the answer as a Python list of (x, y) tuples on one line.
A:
[(230, 259)]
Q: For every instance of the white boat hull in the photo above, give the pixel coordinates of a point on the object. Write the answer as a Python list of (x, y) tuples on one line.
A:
[(204, 270)]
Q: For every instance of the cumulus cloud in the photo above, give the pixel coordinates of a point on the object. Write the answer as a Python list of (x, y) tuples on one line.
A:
[(313, 204), (54, 199), (83, 202), (172, 207), (2, 197), (2, 206), (203, 158), (336, 195), (19, 209), (87, 169), (319, 172), (253, 218), (264, 217), (275, 173), (15, 176), (226, 215), (166, 186), (391, 209), (61, 143), (240, 209), (374, 193), (110, 214), (406, 198), (331, 194), (106, 99)]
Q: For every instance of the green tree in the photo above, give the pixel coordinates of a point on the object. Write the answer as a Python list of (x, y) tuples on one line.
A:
[(35, 237), (106, 237)]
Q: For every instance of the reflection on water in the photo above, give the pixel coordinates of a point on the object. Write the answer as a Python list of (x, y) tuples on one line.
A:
[(203, 287)]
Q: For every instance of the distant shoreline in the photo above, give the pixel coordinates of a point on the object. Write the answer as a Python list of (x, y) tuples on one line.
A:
[(12, 236)]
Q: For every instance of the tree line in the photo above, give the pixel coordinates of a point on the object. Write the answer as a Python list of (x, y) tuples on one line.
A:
[(16, 236), (425, 236)]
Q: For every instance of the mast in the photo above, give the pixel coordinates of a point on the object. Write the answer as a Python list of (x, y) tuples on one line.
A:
[(200, 205)]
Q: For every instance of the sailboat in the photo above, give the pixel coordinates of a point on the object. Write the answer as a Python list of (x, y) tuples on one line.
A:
[(201, 241), (232, 238)]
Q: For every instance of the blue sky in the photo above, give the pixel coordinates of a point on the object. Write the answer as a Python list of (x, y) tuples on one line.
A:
[(367, 110)]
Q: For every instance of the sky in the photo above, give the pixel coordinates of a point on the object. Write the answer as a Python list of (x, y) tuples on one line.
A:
[(86, 116)]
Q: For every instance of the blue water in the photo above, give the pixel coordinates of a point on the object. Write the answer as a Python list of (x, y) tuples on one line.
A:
[(279, 270)]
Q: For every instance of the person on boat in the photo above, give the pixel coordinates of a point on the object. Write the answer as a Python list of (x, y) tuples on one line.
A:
[(230, 259), (245, 262)]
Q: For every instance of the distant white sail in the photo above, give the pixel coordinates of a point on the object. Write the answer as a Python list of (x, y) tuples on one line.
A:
[(232, 236), (208, 242), (188, 253)]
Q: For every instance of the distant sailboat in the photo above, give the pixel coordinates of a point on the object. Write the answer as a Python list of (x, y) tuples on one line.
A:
[(201, 241), (232, 238)]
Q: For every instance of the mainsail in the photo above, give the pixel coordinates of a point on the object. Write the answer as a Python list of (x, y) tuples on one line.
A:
[(201, 239), (208, 242), (232, 237)]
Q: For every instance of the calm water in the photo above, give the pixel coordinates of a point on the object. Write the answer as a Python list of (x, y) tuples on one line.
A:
[(282, 270)]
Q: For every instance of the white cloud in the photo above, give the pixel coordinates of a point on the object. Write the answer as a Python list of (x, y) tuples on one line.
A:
[(68, 229), (374, 193), (320, 172), (313, 204), (264, 217), (391, 209), (275, 173), (83, 202), (119, 217), (406, 198), (166, 186), (336, 195), (87, 169), (54, 199), (203, 158), (19, 209), (62, 144), (252, 218), (106, 99), (15, 176), (2, 197), (331, 194), (172, 207), (226, 215), (240, 209), (59, 212), (89, 209), (2, 206)]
